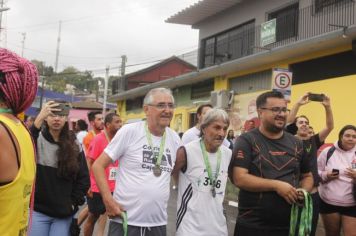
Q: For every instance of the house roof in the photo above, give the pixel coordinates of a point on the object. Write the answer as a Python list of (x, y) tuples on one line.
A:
[(200, 11), (165, 61)]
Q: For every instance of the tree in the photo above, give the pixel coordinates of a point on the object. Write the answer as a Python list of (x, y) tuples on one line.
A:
[(43, 70)]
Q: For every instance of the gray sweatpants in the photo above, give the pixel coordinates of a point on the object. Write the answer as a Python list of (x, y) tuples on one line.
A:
[(116, 229)]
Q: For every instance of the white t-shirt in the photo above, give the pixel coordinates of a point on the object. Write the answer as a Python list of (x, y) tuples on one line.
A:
[(143, 195), (80, 136), (190, 135), (198, 212), (193, 134)]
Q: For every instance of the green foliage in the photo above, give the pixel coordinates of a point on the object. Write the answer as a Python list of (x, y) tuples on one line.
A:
[(43, 70)]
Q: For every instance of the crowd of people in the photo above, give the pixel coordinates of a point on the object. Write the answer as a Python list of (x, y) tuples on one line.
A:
[(123, 172)]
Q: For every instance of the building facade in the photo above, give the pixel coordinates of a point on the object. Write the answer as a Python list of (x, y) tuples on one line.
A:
[(242, 42)]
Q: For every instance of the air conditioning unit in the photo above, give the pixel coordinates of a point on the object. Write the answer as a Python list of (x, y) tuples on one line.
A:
[(221, 99)]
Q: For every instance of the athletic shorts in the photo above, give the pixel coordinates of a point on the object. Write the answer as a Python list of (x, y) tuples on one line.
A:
[(116, 229), (326, 208), (96, 205)]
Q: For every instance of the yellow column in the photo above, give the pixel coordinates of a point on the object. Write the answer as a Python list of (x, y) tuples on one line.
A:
[(220, 83), (121, 108)]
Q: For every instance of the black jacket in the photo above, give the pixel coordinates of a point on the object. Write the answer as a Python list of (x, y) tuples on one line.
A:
[(56, 196)]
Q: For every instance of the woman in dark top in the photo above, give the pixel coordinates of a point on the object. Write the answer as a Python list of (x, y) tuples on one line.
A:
[(62, 178)]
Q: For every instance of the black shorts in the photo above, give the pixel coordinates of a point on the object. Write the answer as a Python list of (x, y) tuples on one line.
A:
[(96, 205), (326, 208), (117, 230)]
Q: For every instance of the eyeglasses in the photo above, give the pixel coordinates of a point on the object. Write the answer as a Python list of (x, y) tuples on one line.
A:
[(276, 110), (162, 106)]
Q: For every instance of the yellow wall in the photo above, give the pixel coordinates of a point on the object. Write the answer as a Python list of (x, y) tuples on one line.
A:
[(341, 92), (221, 83), (343, 104), (284, 63)]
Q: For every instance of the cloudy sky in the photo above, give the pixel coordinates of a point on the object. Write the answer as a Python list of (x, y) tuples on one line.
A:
[(95, 33)]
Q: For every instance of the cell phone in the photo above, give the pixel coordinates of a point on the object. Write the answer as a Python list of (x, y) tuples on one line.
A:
[(64, 109), (316, 97), (335, 171)]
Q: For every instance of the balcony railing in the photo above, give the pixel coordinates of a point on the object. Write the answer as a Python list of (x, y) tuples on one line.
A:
[(293, 26)]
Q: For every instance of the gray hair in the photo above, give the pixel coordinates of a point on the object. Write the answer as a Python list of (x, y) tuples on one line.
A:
[(149, 96), (212, 116)]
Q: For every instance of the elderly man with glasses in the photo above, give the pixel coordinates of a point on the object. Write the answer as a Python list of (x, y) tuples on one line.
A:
[(147, 152), (269, 165)]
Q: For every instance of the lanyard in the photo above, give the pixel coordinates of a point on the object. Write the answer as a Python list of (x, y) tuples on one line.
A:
[(5, 110), (305, 218), (124, 222), (161, 146), (208, 167)]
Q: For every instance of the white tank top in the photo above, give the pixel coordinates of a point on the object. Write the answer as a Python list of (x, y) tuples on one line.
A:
[(198, 212)]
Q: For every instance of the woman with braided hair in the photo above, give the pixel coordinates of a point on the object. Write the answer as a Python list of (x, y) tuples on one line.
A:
[(18, 87)]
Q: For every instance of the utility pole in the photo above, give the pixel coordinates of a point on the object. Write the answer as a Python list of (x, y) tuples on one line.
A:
[(23, 43), (2, 9), (42, 91), (58, 43), (123, 66), (106, 81)]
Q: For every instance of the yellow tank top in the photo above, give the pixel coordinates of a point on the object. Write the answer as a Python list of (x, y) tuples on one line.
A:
[(15, 196)]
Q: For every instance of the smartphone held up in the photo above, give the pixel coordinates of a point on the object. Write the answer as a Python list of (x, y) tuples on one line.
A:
[(316, 97)]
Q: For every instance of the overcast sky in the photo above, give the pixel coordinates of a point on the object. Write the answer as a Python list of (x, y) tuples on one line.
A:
[(95, 33)]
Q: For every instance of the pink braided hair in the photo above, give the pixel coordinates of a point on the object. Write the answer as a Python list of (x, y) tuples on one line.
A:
[(19, 87)]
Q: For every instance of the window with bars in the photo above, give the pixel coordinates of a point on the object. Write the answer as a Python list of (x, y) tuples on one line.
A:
[(202, 89), (231, 44), (252, 82), (286, 22)]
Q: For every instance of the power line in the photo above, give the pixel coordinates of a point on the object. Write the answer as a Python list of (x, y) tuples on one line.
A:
[(51, 53)]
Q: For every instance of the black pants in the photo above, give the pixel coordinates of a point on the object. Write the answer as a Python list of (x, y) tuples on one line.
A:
[(246, 231), (316, 209), (242, 230)]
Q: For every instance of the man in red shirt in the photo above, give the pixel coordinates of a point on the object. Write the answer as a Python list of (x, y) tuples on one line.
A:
[(96, 122), (112, 124)]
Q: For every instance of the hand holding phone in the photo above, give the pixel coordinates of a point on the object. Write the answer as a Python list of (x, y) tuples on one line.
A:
[(64, 109), (335, 171), (316, 97)]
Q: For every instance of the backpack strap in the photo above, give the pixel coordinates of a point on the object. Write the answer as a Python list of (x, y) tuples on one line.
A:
[(329, 154)]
